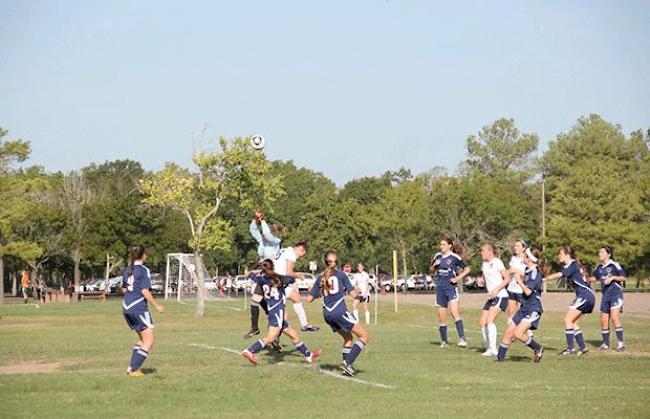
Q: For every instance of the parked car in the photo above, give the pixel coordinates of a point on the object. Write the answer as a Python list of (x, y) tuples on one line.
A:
[(94, 285), (403, 283), (307, 283), (372, 282), (241, 283), (115, 285), (157, 283)]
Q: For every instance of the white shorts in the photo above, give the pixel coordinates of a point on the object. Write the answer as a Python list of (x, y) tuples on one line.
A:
[(288, 290)]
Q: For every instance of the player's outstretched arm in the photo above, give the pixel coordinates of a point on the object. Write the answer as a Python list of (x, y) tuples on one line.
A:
[(151, 300)]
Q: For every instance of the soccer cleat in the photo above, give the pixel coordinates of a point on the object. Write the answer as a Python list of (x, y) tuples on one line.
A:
[(538, 355), (604, 347), (443, 345), (275, 345), (567, 352), (251, 333), (309, 328), (621, 348), (314, 356), (348, 370), (582, 352), (135, 374), (462, 343), (489, 353), (250, 357)]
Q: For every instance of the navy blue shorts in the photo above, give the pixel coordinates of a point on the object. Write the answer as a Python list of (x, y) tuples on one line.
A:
[(611, 302), (139, 320), (501, 302), (514, 296), (531, 317), (340, 320), (276, 319), (585, 304), (444, 296)]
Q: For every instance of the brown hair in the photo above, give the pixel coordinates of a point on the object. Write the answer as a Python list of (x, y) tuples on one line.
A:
[(541, 262), (490, 246), (278, 230), (267, 269), (609, 250), (325, 284), (568, 250), (301, 243), (136, 252), (456, 246)]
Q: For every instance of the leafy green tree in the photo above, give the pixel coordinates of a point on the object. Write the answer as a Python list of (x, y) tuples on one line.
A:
[(118, 220), (234, 172), (502, 151), (11, 212), (595, 177)]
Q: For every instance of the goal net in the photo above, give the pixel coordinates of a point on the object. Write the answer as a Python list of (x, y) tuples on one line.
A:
[(181, 277)]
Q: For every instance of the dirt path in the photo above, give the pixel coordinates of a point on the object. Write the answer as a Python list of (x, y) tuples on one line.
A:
[(636, 304), (29, 368)]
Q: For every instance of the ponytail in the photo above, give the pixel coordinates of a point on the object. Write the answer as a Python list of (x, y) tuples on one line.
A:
[(136, 252), (541, 261), (267, 270), (325, 283)]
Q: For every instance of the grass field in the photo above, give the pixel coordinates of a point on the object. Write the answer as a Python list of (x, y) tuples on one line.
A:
[(403, 373)]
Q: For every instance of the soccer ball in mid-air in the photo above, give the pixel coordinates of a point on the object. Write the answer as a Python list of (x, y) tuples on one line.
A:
[(258, 142)]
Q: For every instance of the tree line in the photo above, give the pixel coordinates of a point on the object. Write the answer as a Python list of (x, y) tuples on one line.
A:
[(593, 183)]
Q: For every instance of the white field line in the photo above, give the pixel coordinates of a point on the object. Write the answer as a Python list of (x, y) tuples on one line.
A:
[(207, 305), (320, 370)]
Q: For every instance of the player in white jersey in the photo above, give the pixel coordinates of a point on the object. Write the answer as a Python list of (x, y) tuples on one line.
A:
[(516, 269), (284, 264), (496, 278), (361, 280)]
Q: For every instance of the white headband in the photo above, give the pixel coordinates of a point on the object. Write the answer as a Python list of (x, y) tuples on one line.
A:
[(530, 255)]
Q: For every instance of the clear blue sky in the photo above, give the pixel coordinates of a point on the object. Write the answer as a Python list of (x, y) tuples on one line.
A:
[(349, 88)]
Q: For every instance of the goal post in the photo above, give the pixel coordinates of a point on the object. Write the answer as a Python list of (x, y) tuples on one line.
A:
[(180, 277)]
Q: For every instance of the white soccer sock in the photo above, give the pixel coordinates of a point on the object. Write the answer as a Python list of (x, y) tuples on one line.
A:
[(355, 313), (492, 336), (484, 335), (300, 311), (367, 317)]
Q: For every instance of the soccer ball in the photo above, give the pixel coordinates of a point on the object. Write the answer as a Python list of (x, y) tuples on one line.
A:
[(258, 142)]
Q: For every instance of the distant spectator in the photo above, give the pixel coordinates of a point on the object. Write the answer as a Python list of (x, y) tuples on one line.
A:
[(25, 284), (40, 289), (70, 288)]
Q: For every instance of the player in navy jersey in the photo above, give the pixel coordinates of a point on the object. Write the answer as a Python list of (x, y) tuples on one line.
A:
[(273, 287), (333, 285), (136, 285), (584, 303), (530, 311), (612, 277), (446, 264)]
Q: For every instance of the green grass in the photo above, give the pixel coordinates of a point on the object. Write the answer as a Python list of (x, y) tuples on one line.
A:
[(92, 344)]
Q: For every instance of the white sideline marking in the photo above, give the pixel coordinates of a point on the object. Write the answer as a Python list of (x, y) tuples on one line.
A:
[(227, 308), (322, 371)]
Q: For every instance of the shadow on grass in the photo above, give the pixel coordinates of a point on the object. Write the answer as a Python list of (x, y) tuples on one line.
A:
[(148, 371), (277, 357), (337, 368), (595, 343)]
